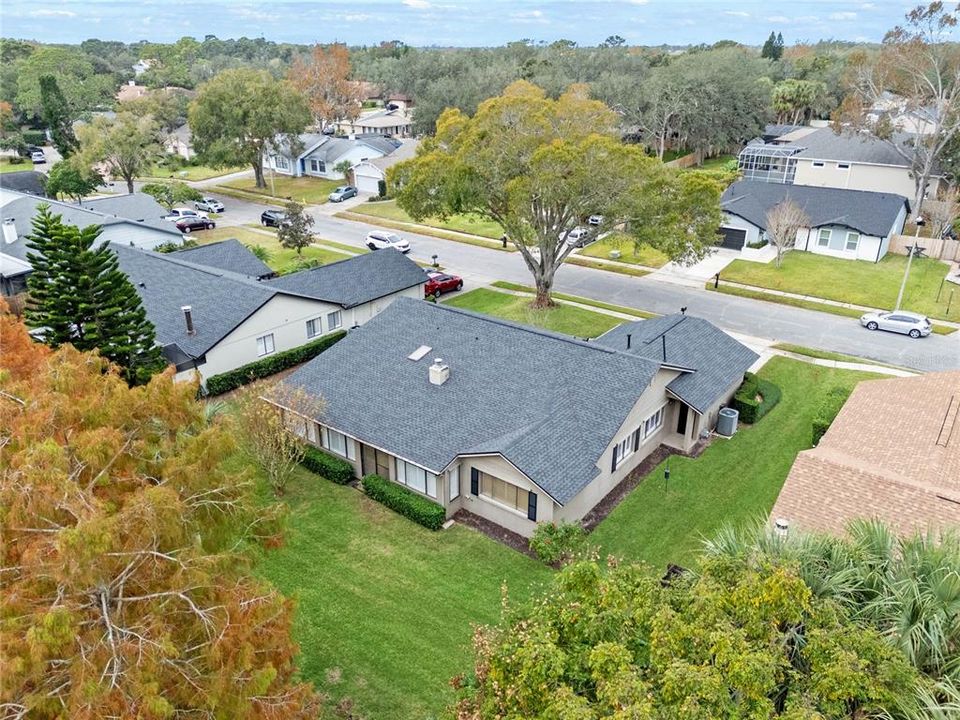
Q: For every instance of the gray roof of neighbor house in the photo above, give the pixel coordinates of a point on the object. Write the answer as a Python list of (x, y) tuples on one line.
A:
[(25, 181), (870, 213), (716, 359), (329, 148), (550, 404), (133, 206), (230, 255), (825, 144), (356, 280)]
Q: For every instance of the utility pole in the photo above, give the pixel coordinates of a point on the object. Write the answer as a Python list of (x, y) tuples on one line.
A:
[(906, 272)]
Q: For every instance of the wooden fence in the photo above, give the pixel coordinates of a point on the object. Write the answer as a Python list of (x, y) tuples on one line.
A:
[(941, 248)]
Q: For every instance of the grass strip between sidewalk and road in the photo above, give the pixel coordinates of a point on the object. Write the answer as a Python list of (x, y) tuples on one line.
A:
[(517, 287), (607, 266), (475, 240), (830, 355)]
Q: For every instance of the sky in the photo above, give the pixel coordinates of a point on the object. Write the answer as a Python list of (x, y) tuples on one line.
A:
[(452, 22)]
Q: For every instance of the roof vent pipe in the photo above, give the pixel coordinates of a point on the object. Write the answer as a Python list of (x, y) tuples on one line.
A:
[(188, 317), (629, 335), (9, 231), (439, 372)]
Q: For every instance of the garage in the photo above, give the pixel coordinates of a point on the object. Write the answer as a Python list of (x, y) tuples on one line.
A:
[(367, 178), (733, 238)]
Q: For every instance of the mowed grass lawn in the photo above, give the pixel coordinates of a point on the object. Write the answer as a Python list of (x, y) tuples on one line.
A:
[(307, 190), (472, 224), (562, 318), (629, 252), (190, 172), (281, 259), (733, 481), (385, 608), (861, 283), (7, 165)]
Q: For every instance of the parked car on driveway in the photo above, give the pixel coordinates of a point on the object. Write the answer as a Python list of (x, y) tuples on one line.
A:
[(595, 220), (900, 321), (580, 237), (438, 282), (273, 218), (209, 204), (378, 240), (344, 192), (180, 213), (38, 157), (189, 224)]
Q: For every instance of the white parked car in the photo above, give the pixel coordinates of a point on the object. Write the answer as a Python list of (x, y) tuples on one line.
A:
[(180, 213), (580, 236), (901, 321), (378, 240), (209, 204), (595, 220)]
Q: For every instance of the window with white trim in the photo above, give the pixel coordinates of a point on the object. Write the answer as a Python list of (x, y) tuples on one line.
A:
[(853, 241), (653, 423), (337, 442), (454, 477), (314, 327), (265, 345), (281, 162), (416, 478), (318, 166), (504, 492), (334, 320), (624, 449), (823, 239)]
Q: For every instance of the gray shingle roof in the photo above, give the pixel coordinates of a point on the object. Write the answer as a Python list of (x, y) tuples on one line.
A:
[(133, 206), (229, 255), (355, 280), (870, 213), (825, 144), (25, 181), (717, 360), (549, 403)]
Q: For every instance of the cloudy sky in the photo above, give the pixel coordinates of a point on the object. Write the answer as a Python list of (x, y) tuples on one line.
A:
[(452, 22)]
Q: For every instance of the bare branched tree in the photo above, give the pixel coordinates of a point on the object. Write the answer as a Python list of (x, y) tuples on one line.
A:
[(784, 221), (941, 213)]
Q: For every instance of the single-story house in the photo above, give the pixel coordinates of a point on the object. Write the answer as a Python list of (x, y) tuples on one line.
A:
[(321, 154), (230, 255), (892, 453), (508, 422), (180, 142), (29, 182), (393, 123), (849, 224), (368, 174), (132, 91), (216, 316), (144, 230)]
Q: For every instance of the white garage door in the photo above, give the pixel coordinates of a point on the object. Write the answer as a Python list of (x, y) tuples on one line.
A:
[(367, 183)]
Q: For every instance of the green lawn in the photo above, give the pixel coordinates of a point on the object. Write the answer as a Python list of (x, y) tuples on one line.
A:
[(471, 224), (281, 259), (190, 172), (385, 608), (7, 165), (562, 318), (307, 190), (735, 480), (715, 163), (861, 283), (517, 287), (629, 252)]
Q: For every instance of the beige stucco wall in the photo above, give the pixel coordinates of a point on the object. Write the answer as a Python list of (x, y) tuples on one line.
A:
[(484, 507), (860, 176)]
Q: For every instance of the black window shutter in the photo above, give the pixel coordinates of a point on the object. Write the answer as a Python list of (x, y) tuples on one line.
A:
[(474, 481), (531, 506), (613, 465), (636, 439)]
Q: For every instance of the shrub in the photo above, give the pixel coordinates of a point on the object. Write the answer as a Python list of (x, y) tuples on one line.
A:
[(831, 404), (34, 137), (382, 188), (755, 398), (332, 468), (169, 247), (558, 543), (231, 380), (405, 501)]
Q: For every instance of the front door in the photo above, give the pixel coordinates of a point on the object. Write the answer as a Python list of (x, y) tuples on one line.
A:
[(682, 420)]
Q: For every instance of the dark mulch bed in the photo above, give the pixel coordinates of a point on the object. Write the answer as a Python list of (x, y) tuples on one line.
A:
[(495, 532)]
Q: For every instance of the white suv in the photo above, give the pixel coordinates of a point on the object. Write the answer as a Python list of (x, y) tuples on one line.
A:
[(181, 213), (378, 240)]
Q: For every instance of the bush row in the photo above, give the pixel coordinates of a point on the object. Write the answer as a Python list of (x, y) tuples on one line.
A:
[(405, 501), (746, 403), (322, 463), (829, 407), (233, 379), (34, 137)]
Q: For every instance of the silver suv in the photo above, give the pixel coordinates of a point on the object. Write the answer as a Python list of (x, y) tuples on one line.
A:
[(901, 321)]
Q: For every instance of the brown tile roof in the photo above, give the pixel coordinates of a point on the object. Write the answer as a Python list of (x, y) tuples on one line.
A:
[(892, 453)]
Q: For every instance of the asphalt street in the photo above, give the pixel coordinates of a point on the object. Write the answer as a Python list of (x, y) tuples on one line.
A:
[(770, 321)]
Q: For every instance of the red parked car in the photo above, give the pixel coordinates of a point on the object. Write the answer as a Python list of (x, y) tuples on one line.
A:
[(438, 283), (189, 224)]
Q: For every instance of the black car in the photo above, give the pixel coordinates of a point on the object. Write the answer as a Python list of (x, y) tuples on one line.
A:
[(189, 224), (273, 218)]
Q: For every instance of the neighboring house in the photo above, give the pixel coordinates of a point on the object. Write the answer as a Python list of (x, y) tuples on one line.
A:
[(28, 182), (821, 157), (321, 154), (180, 142), (849, 224), (132, 91), (19, 209), (511, 423), (229, 255), (141, 66), (395, 123), (367, 174), (132, 206), (898, 113), (234, 319), (893, 453)]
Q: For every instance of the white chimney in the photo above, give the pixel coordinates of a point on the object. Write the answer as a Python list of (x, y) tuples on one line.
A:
[(439, 372), (188, 317), (9, 231)]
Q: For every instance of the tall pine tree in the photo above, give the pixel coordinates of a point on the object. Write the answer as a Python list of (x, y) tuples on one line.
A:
[(79, 293), (56, 114), (773, 47)]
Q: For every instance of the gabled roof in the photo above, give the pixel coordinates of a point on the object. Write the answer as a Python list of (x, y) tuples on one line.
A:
[(133, 206), (24, 181), (716, 360), (826, 144), (356, 280), (548, 403), (870, 213), (229, 255)]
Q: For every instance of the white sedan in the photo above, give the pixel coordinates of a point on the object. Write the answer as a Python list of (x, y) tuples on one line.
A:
[(181, 213), (378, 240)]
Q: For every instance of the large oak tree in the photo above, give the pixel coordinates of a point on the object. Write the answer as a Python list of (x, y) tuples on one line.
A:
[(539, 167)]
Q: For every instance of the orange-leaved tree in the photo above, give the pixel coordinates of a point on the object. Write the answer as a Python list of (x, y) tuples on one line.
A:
[(120, 591), (324, 80)]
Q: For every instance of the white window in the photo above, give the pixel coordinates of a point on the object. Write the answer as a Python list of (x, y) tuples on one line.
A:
[(314, 327), (336, 442), (281, 163), (416, 478), (818, 164), (333, 320), (853, 241), (318, 166), (823, 239), (624, 449), (454, 476), (265, 345), (653, 423)]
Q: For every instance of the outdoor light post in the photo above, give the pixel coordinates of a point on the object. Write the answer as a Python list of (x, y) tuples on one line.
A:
[(666, 475), (906, 272)]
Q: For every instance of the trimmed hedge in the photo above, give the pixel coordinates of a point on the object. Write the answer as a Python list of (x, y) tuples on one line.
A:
[(745, 401), (332, 468), (231, 380), (405, 501), (34, 137), (829, 408)]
